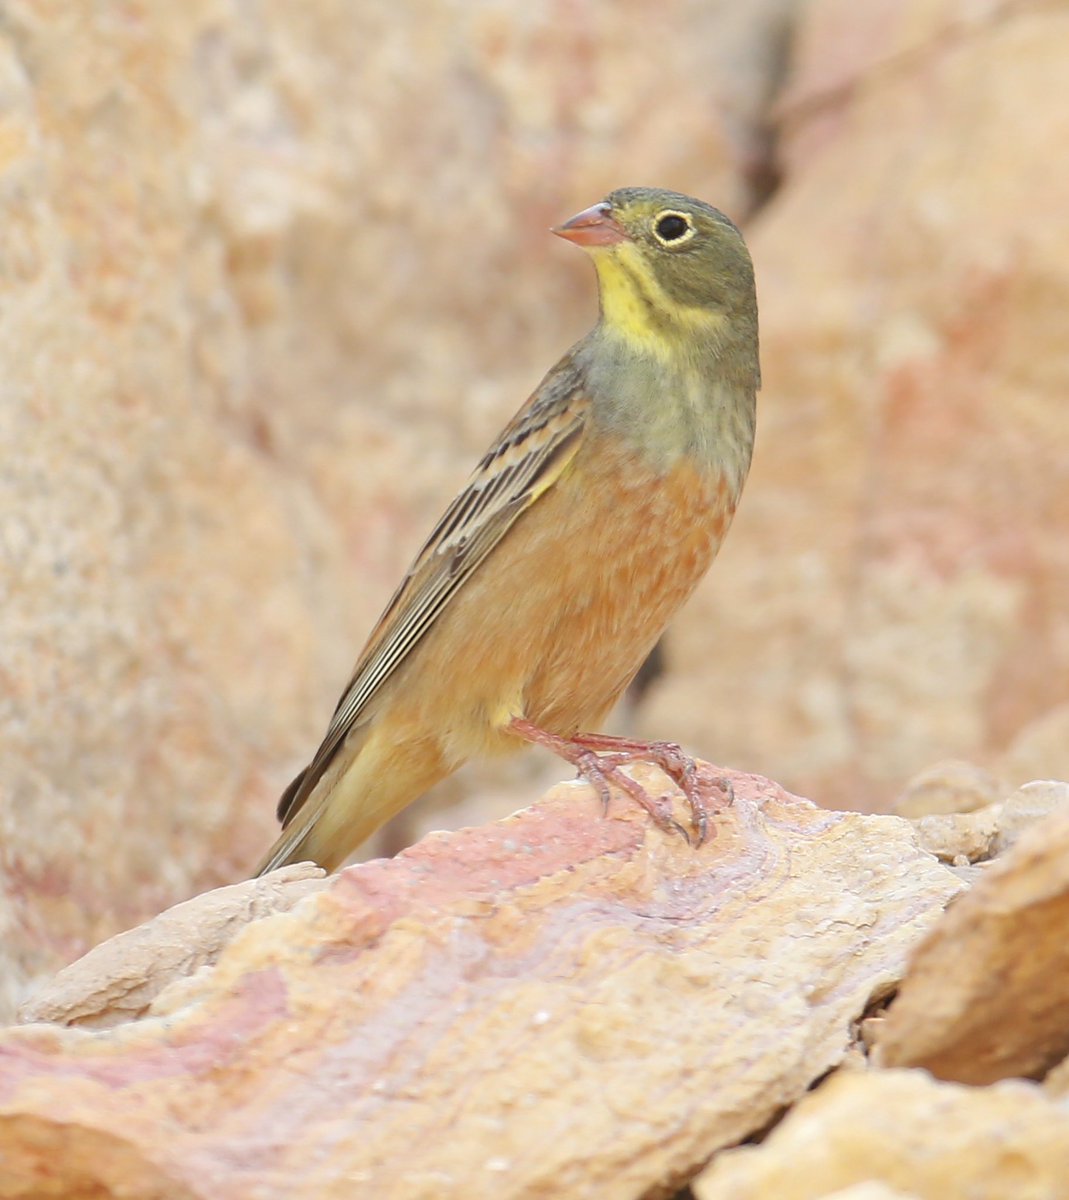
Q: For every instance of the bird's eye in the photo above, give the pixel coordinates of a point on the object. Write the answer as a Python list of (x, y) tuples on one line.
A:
[(669, 227)]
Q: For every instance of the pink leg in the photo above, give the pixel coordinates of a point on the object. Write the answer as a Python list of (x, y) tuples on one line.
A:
[(602, 769)]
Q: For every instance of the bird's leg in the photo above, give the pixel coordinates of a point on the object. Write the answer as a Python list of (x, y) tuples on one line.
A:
[(675, 763), (601, 770)]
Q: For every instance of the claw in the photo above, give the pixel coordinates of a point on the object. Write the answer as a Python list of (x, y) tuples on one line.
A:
[(674, 824), (588, 766), (601, 770), (701, 826)]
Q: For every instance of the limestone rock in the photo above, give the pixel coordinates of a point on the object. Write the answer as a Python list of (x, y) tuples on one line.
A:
[(987, 993), (949, 787), (904, 1131), (981, 835), (1056, 1081), (558, 1004), (871, 1191), (118, 980), (961, 838), (1029, 804)]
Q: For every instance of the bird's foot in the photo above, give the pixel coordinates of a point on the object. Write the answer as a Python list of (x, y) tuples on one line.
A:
[(598, 757), (692, 780)]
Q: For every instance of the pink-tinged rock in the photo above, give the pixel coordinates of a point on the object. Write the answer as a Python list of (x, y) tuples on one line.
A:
[(118, 980), (557, 1004)]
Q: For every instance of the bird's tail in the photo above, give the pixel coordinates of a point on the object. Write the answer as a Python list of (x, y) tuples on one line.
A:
[(348, 804), (293, 845)]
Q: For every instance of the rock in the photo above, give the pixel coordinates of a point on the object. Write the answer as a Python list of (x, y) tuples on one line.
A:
[(1056, 1081), (1043, 743), (1026, 806), (895, 588), (949, 787), (244, 375), (870, 1191), (961, 838), (971, 837), (987, 992), (904, 1131), (558, 1004), (119, 979)]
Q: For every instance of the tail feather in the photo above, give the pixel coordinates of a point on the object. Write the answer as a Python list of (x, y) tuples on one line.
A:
[(289, 847), (350, 800), (289, 797)]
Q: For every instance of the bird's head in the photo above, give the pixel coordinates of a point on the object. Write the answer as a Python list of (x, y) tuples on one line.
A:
[(673, 272)]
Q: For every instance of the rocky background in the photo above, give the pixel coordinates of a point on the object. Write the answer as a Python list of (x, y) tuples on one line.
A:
[(271, 276)]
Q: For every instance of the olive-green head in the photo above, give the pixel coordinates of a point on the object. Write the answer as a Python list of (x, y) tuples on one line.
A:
[(671, 269)]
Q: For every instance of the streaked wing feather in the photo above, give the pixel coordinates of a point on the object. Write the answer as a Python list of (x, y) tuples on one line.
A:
[(529, 456)]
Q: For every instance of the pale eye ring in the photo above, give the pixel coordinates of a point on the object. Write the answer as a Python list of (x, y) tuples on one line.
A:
[(672, 228)]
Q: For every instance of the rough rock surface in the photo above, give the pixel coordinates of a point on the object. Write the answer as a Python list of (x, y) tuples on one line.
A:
[(987, 993), (904, 1130), (558, 1004), (118, 980), (980, 835)]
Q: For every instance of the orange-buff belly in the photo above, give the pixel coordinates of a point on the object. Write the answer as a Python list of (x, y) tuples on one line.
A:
[(559, 618)]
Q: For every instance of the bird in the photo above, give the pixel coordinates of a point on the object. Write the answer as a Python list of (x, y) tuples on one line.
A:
[(553, 573)]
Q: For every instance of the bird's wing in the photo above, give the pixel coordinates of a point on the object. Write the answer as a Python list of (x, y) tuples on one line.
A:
[(528, 457)]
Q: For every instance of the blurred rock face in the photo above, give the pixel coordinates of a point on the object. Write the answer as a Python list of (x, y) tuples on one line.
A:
[(272, 278), (895, 587)]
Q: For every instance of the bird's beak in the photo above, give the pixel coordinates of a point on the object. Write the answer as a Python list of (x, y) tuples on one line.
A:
[(595, 226)]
